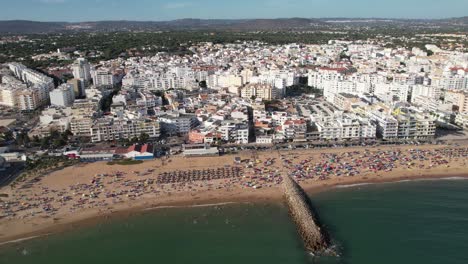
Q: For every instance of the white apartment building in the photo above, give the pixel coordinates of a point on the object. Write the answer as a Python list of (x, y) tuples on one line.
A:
[(103, 78), (387, 125), (345, 101), (462, 120), (156, 78), (235, 132), (278, 79), (319, 79), (177, 125), (31, 77), (85, 107), (392, 92), (83, 112), (81, 126), (35, 93), (148, 100), (52, 119), (79, 86), (452, 82), (415, 126), (295, 130), (457, 98), (403, 125), (81, 70), (428, 103), (21, 97), (344, 127), (9, 95), (428, 91), (109, 129), (260, 91), (29, 100), (63, 96), (218, 80)]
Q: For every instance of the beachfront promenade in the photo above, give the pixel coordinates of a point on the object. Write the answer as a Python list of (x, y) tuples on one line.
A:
[(301, 213)]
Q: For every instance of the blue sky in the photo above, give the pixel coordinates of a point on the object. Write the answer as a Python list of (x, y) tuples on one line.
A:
[(92, 10)]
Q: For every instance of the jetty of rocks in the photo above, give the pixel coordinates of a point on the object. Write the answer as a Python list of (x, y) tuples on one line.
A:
[(301, 212)]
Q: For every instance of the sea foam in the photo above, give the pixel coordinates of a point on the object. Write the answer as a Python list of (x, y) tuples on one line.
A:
[(21, 240), (187, 206), (402, 181), (354, 185)]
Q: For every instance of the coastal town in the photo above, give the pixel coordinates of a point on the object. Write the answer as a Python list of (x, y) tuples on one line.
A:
[(227, 132), (238, 94), (223, 123)]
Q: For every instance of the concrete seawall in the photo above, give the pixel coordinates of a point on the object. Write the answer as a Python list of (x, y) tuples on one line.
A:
[(314, 238)]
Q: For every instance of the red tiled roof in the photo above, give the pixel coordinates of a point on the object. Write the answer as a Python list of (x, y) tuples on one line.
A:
[(132, 148), (333, 69), (121, 151), (458, 68), (144, 148), (140, 148)]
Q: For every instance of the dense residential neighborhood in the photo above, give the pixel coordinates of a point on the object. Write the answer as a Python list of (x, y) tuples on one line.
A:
[(242, 94)]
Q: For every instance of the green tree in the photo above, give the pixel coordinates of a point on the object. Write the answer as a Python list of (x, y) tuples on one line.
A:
[(45, 142), (203, 84), (144, 138), (7, 136), (134, 140), (22, 139)]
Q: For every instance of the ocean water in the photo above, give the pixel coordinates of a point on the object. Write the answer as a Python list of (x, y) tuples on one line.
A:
[(410, 222)]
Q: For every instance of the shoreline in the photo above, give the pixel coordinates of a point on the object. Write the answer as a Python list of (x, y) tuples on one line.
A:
[(424, 179), (89, 221), (97, 192)]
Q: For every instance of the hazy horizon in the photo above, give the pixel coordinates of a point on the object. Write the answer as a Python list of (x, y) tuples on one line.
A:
[(247, 18), (164, 10)]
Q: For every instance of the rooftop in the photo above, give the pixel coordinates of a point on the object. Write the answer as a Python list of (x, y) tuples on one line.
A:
[(6, 122)]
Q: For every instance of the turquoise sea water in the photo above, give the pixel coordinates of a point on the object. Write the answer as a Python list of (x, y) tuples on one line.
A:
[(412, 222)]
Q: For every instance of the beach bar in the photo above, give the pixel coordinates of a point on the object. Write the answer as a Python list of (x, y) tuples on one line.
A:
[(199, 150)]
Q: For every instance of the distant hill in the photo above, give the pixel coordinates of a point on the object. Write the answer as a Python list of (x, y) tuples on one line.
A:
[(457, 20), (30, 27), (26, 27), (278, 24)]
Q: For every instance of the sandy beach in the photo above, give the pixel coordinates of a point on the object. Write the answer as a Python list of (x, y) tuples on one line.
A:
[(88, 193)]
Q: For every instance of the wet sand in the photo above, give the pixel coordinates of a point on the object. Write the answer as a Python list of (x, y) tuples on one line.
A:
[(90, 193)]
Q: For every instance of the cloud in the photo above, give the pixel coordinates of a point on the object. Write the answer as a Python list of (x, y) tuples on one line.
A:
[(179, 5)]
